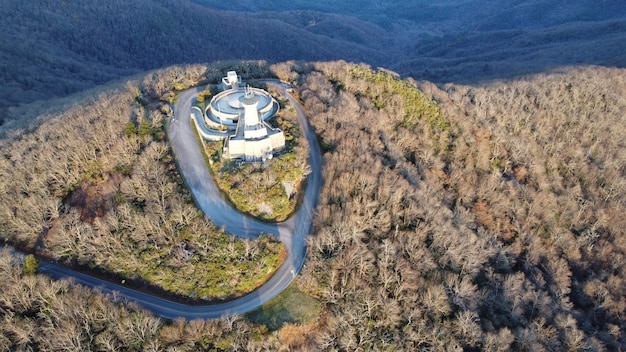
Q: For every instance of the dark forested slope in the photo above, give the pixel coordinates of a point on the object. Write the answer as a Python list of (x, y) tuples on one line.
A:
[(51, 48), (473, 40), (55, 48)]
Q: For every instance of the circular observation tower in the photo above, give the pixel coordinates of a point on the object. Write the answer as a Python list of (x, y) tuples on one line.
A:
[(228, 106)]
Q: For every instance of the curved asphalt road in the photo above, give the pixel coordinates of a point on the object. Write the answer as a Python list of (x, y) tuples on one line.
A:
[(192, 166)]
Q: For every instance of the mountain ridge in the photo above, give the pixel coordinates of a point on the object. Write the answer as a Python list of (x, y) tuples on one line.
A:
[(54, 49)]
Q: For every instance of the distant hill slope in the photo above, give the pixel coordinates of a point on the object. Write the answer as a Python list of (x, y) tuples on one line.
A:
[(55, 48)]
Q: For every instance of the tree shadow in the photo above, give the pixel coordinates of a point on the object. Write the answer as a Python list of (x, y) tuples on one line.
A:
[(292, 306)]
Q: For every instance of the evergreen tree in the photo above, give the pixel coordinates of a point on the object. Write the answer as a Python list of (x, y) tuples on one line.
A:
[(31, 264)]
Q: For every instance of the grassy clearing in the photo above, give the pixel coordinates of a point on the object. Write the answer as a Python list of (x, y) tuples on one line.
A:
[(292, 306)]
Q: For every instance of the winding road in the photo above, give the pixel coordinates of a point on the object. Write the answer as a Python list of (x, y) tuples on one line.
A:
[(192, 166)]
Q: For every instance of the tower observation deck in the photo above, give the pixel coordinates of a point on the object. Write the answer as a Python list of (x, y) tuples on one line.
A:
[(250, 103)]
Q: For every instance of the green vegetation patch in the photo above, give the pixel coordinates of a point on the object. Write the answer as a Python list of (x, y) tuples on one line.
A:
[(266, 190), (204, 97), (232, 268), (31, 264), (417, 105), (291, 306)]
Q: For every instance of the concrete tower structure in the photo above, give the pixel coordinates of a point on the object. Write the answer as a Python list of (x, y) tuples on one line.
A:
[(250, 102)]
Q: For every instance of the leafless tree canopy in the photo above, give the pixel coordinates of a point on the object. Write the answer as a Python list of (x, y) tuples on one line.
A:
[(499, 229), (96, 186), (451, 218)]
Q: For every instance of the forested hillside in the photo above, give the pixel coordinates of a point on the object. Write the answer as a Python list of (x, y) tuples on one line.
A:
[(497, 227), (484, 217), (97, 187), (492, 224), (39, 315)]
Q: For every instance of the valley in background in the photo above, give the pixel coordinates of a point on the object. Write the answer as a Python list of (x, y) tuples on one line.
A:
[(55, 49)]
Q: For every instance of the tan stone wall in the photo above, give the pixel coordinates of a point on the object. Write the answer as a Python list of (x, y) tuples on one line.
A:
[(256, 149), (277, 140), (236, 148)]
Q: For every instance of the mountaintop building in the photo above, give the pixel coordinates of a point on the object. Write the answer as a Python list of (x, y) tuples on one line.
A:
[(237, 115)]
